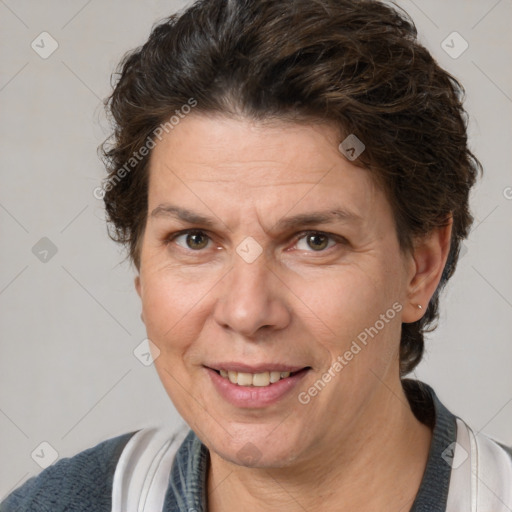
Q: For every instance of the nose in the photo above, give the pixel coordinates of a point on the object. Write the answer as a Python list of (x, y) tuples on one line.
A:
[(252, 299)]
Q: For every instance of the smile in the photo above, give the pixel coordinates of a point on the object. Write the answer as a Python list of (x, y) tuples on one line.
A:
[(265, 385), (261, 379)]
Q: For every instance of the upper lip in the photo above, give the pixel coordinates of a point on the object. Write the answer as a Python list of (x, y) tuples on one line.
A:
[(255, 368)]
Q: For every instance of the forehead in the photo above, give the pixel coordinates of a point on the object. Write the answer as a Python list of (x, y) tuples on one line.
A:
[(224, 163)]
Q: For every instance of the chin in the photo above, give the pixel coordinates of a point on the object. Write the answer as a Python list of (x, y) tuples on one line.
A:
[(257, 447)]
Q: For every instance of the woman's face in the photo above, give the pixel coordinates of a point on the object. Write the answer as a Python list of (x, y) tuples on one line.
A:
[(267, 251)]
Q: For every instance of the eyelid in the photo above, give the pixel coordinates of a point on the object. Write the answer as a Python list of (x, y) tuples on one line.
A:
[(337, 238), (172, 236), (296, 237)]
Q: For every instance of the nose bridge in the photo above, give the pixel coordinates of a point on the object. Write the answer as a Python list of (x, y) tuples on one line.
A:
[(251, 298)]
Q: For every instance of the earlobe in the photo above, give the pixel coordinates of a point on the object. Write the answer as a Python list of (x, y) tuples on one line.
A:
[(430, 254)]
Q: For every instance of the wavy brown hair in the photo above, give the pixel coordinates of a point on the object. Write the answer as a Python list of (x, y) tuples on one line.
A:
[(356, 64)]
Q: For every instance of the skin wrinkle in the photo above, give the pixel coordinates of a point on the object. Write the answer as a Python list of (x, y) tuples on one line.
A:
[(287, 306)]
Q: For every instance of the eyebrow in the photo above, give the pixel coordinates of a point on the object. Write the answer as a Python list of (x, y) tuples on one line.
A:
[(287, 223)]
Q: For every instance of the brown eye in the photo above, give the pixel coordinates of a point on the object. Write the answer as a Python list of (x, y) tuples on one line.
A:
[(315, 241), (195, 240)]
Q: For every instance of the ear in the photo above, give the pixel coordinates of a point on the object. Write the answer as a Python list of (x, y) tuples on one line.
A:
[(138, 287), (428, 261)]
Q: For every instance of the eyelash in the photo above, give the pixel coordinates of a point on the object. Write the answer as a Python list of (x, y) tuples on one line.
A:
[(337, 238)]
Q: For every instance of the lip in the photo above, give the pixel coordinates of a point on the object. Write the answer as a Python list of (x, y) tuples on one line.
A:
[(256, 368), (254, 397)]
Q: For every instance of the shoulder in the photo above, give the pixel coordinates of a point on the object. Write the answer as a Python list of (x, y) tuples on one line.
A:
[(81, 482), (492, 454), (143, 471), (481, 472)]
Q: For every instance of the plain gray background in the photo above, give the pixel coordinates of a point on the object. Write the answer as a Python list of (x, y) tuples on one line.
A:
[(70, 320)]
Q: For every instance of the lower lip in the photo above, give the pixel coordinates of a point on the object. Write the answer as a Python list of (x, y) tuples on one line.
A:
[(252, 397)]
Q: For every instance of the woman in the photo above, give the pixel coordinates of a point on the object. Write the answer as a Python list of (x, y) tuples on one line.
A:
[(291, 180)]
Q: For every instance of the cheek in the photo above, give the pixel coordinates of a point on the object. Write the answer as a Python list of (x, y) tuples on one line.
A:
[(348, 306), (172, 307), (173, 312)]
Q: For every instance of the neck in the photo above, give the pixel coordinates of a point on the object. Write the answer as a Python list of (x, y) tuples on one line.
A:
[(379, 466)]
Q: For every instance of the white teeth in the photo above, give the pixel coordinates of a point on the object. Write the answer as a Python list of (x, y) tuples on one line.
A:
[(244, 379), (275, 376), (261, 379), (253, 379)]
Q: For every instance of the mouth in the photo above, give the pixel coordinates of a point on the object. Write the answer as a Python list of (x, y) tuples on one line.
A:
[(260, 379), (255, 387)]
